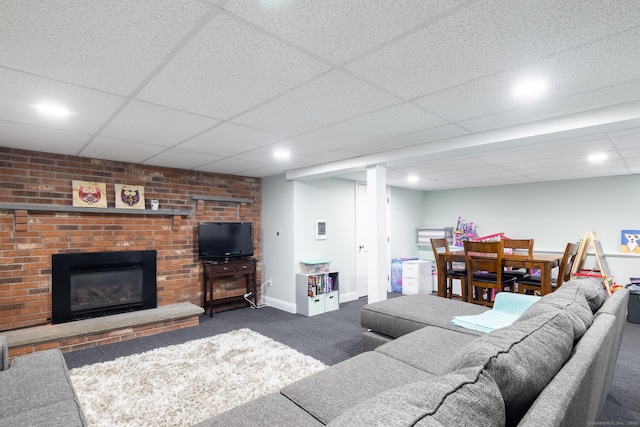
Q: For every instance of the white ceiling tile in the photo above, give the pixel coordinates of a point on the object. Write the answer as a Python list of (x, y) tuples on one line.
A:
[(231, 165), (228, 68), (406, 140), (583, 73), (111, 45), (557, 174), (396, 120), (297, 149), (152, 124), (21, 92), (273, 169), (547, 152), (338, 30), (325, 157), (488, 37), (229, 139), (181, 159), (150, 81), (119, 150), (47, 140), (629, 140), (331, 98), (631, 153)]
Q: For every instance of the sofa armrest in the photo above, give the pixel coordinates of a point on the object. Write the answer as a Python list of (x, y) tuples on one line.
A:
[(4, 354)]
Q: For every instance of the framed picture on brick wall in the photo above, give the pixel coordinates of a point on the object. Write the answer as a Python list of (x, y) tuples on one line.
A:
[(88, 194), (129, 196)]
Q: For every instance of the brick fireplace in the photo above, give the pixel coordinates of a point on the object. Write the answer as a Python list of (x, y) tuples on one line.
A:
[(31, 234)]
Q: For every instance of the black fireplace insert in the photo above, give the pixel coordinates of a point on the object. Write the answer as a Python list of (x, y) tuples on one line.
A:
[(86, 285)]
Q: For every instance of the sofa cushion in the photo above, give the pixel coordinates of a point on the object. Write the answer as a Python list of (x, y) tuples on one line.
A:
[(35, 380), (402, 315), (58, 414), (592, 289), (571, 301), (521, 358), (328, 393), (273, 409), (467, 397), (424, 349)]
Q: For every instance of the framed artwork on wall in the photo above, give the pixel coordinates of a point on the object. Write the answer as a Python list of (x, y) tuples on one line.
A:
[(88, 194), (630, 241), (129, 196), (321, 230)]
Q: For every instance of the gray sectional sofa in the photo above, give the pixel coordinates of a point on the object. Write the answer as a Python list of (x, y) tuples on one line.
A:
[(35, 390), (551, 367)]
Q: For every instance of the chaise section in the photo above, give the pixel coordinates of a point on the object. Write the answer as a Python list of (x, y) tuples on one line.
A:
[(402, 315), (330, 392)]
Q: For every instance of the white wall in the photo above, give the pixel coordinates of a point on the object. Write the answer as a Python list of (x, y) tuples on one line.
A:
[(553, 213), (407, 214), (290, 210), (333, 201), (278, 235)]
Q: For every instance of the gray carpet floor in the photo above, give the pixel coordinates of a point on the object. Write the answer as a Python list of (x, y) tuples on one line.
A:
[(336, 336)]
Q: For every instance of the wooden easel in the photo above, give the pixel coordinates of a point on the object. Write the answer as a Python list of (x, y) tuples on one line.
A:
[(591, 240)]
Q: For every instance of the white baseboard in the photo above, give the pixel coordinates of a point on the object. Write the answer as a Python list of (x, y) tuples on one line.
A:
[(287, 306), (348, 296), (290, 307)]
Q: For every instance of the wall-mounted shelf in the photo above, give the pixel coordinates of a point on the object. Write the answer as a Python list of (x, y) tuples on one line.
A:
[(221, 199), (75, 209)]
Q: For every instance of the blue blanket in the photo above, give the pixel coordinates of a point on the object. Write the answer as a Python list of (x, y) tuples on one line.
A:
[(507, 307)]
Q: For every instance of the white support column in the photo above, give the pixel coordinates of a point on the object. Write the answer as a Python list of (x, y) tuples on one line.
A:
[(376, 229)]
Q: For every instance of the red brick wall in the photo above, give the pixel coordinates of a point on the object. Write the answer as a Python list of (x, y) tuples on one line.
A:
[(28, 238)]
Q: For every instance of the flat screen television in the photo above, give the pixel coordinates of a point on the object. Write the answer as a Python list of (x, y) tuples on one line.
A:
[(225, 239)]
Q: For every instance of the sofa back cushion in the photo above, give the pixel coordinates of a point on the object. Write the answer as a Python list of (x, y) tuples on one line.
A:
[(521, 358), (468, 397), (592, 289), (569, 299)]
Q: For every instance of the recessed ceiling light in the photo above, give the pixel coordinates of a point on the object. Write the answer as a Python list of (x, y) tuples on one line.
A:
[(530, 88), (413, 178), (597, 157), (282, 154), (52, 110)]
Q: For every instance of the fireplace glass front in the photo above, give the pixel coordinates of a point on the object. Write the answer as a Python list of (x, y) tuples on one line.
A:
[(86, 285)]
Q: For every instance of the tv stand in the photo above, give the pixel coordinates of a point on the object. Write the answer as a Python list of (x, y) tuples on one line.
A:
[(218, 271)]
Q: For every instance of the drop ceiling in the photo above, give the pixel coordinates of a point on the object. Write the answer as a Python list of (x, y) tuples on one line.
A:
[(420, 87)]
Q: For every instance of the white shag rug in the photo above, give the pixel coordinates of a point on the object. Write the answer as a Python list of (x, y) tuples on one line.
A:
[(181, 385)]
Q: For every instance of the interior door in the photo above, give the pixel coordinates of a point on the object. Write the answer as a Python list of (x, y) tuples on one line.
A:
[(362, 254)]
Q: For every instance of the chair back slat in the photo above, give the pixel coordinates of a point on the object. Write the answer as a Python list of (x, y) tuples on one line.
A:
[(566, 265)]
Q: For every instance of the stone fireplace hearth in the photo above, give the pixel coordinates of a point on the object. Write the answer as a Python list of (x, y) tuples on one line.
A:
[(87, 285)]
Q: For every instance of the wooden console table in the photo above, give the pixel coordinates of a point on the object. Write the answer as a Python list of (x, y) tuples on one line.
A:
[(214, 271)]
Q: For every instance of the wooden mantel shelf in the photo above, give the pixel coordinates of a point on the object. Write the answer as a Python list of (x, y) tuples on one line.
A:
[(221, 199), (62, 208)]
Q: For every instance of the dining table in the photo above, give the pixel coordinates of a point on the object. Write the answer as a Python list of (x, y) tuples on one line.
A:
[(545, 262)]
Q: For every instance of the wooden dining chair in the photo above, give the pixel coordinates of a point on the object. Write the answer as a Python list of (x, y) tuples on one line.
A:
[(442, 245), (485, 276), (532, 283), (517, 247)]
